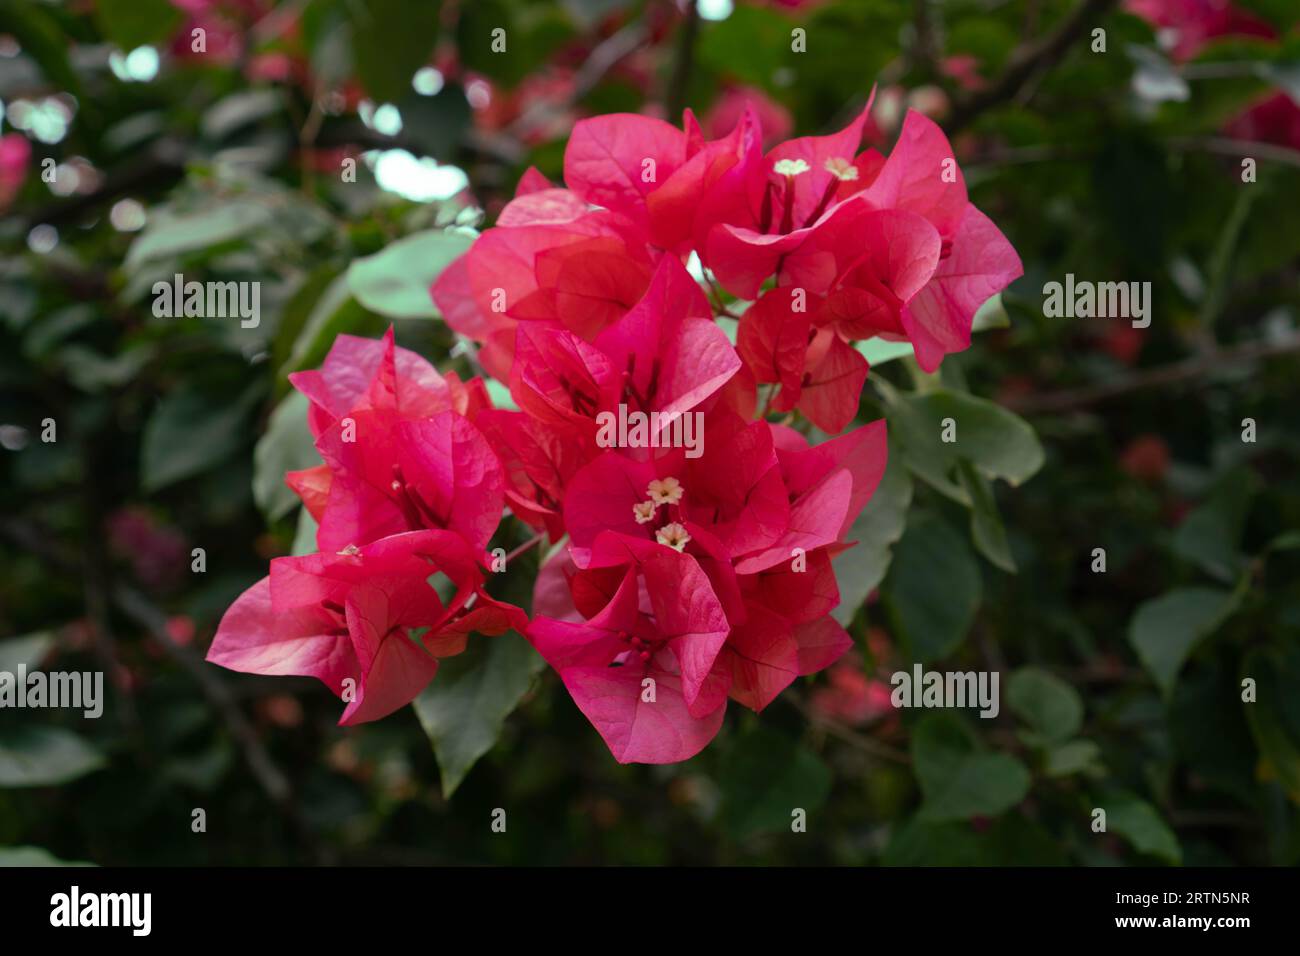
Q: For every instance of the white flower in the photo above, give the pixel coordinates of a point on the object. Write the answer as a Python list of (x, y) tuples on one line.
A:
[(790, 167), (673, 535), (665, 491), (842, 169)]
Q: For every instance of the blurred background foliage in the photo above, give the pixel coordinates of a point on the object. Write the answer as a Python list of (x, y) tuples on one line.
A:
[(127, 155)]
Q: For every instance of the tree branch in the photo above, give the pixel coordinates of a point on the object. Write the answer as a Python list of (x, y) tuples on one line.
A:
[(1172, 374), (1025, 63), (152, 619), (683, 62)]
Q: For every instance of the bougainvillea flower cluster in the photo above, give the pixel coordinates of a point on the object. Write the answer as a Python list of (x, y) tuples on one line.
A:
[(682, 579), (408, 496)]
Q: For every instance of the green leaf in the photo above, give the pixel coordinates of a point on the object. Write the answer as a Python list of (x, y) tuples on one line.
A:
[(1165, 630), (1211, 535), (41, 36), (991, 315), (986, 528), (190, 432), (474, 28), (133, 23), (499, 392), (465, 707), (1049, 705), (999, 443), (933, 588), (391, 39), (395, 281), (878, 351), (751, 43), (332, 312), (304, 537), (27, 651), (1071, 758), (958, 780), (1278, 739), (44, 757), (1208, 729), (286, 446), (296, 314), (28, 856), (171, 234), (1139, 823), (1008, 842), (861, 568), (765, 777), (1286, 541), (437, 125), (240, 109), (92, 372)]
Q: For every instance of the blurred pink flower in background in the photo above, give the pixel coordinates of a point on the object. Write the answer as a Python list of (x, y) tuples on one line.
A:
[(1274, 119), (158, 553), (1146, 458), (1190, 25), (850, 695), (963, 68), (729, 107), (15, 153)]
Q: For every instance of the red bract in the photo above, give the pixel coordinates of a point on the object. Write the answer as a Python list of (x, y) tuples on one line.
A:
[(347, 618), (409, 489), (551, 262), (637, 668), (782, 199), (400, 474), (1192, 24), (616, 161), (365, 373), (695, 571), (666, 355), (758, 523), (976, 261), (398, 454)]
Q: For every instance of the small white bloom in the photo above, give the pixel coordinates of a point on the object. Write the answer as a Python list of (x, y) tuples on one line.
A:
[(665, 491), (673, 535), (842, 169), (790, 167)]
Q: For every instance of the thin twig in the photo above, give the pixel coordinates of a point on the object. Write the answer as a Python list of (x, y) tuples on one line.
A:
[(716, 294), (153, 620), (141, 610), (1024, 64), (1171, 374), (848, 735), (683, 62), (607, 55), (1243, 148), (925, 41)]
